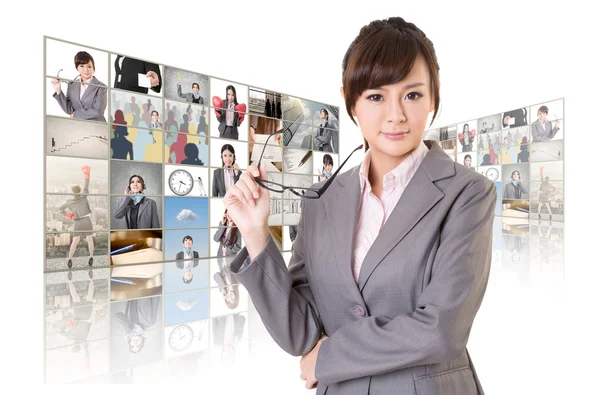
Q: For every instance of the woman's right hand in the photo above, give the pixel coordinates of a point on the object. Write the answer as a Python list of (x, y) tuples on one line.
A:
[(128, 191), (248, 205), (56, 85)]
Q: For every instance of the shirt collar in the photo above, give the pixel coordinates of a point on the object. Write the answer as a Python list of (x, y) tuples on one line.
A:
[(401, 174)]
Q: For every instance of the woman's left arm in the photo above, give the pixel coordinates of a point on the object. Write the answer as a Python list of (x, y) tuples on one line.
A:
[(438, 329)]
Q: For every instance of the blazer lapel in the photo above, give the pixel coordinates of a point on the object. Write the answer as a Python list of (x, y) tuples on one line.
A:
[(76, 87), (143, 204), (419, 197), (342, 215)]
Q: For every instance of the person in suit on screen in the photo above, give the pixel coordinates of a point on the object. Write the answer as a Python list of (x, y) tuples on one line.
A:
[(139, 211), (328, 305), (542, 129), (86, 97), (127, 71), (228, 175)]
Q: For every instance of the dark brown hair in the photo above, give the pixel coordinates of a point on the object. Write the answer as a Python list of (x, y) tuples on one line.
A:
[(83, 57), (383, 53)]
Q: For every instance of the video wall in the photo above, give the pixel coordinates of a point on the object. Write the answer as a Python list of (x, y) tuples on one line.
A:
[(139, 155), (521, 151)]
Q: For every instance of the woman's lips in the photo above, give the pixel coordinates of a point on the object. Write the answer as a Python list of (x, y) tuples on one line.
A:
[(396, 135)]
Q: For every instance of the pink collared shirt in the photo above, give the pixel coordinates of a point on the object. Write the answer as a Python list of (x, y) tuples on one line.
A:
[(229, 180), (373, 213)]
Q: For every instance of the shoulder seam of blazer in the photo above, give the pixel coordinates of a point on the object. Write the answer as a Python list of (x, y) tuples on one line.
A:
[(436, 164)]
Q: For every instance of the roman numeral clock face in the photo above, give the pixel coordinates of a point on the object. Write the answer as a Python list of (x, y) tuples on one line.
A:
[(181, 182)]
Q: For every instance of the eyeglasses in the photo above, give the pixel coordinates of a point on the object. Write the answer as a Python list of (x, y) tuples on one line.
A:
[(303, 192)]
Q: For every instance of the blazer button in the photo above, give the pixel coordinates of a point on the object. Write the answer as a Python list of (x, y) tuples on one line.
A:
[(359, 310)]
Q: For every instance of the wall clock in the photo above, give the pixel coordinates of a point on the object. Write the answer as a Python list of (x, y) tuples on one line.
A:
[(181, 182)]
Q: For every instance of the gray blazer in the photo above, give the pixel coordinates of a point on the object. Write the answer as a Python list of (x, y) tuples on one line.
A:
[(322, 139), (189, 96), (404, 327), (91, 106), (218, 184), (147, 213), (180, 262), (543, 132)]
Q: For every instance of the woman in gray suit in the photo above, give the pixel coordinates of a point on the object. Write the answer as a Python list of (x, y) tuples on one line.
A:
[(388, 306), (228, 236), (86, 98), (228, 175), (139, 211)]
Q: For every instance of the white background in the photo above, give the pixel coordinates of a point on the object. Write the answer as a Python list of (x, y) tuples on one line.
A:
[(512, 354)]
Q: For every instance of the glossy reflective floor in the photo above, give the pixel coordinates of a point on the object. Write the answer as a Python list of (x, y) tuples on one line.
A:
[(144, 324)]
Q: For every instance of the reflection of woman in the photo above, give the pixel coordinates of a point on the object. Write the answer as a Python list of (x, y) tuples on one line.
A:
[(140, 315), (230, 243), (515, 188), (228, 175), (227, 331), (80, 212), (139, 211), (229, 113), (86, 98), (546, 191)]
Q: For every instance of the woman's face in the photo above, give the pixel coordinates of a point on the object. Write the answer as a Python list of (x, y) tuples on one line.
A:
[(393, 117), (542, 116), (187, 243), (195, 88), (468, 162), (86, 70), (465, 128), (155, 117), (227, 158), (329, 167), (515, 176), (230, 95), (136, 185)]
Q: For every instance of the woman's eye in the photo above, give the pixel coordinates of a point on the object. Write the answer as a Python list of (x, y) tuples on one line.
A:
[(413, 96), (375, 97)]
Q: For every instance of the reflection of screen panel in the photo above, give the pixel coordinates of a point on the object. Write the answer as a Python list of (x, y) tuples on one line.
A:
[(515, 208)]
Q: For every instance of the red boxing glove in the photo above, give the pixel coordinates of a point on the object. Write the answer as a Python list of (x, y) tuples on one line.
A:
[(241, 109), (460, 136), (473, 133), (217, 102), (70, 216), (86, 171)]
